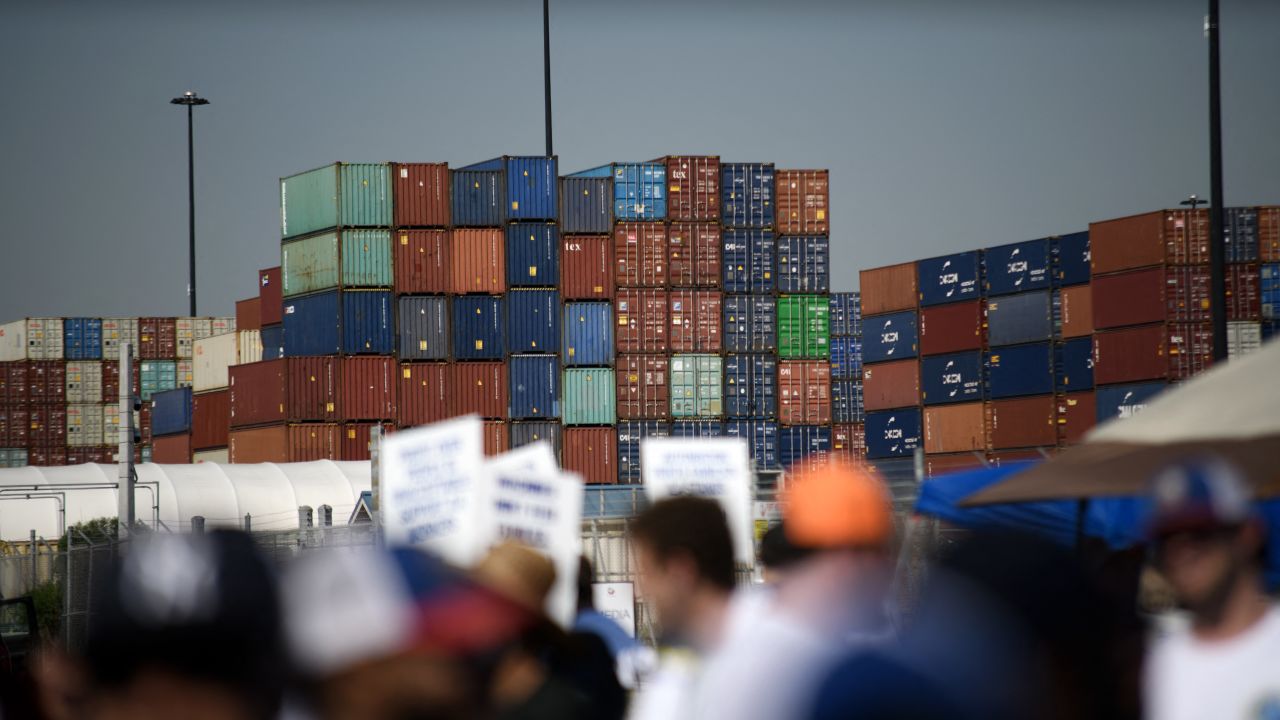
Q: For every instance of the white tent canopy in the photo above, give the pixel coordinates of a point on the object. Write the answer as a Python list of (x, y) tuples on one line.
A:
[(269, 493)]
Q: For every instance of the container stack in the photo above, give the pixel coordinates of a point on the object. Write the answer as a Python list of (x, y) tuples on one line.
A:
[(890, 369), (1268, 228), (848, 437)]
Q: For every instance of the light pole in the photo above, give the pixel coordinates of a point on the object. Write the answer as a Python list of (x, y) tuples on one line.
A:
[(546, 68), (1217, 253), (191, 100)]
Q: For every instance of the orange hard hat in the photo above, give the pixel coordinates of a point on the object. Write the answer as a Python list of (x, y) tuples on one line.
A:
[(837, 504)]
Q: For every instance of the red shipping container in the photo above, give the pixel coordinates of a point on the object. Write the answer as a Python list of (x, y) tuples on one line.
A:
[(888, 289), (423, 395), (478, 388), (694, 254), (1159, 294), (259, 445), (477, 261), (172, 450), (1077, 414), (496, 440), (640, 253), (15, 425), (13, 376), (47, 457), (693, 187), (849, 442), (1077, 310), (1244, 292), (643, 390), (84, 455), (270, 296), (803, 200), (890, 385), (47, 426), (420, 194), (157, 338), (111, 381), (210, 419), (35, 382), (1269, 234), (592, 453), (939, 465), (249, 314), (422, 262), (272, 391), (955, 428), (313, 441), (1152, 352), (954, 327), (695, 321), (586, 267), (804, 392), (368, 388), (1022, 422), (144, 423), (353, 442), (1164, 237), (642, 321)]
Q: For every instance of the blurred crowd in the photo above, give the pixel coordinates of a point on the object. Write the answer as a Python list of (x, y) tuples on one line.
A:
[(202, 626)]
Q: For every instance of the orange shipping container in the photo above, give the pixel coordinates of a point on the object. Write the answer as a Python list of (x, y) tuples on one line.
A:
[(886, 386), (695, 251), (171, 449), (592, 453), (249, 314), (803, 200), (804, 392), (1172, 237), (1077, 414), (1077, 311), (420, 194), (888, 289), (478, 388), (586, 267), (261, 444), (937, 465), (496, 440), (423, 393), (695, 321), (313, 441), (642, 320), (421, 262), (1022, 422), (640, 254), (955, 428), (477, 261), (368, 388), (210, 419)]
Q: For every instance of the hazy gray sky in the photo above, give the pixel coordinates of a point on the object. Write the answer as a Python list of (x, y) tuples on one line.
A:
[(946, 125)]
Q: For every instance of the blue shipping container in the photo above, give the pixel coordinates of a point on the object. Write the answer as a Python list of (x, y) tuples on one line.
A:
[(533, 321), (629, 436), (368, 323), (750, 323), (1124, 401), (1269, 289), (762, 441), (478, 198), (1021, 318), (478, 327), (82, 338), (639, 189), (846, 358), (749, 257), (697, 428), (953, 378), (751, 386), (1020, 370), (893, 433), (312, 325), (795, 442), (746, 195), (586, 205), (1019, 267), (171, 412), (846, 314), (533, 255), (890, 337), (1240, 235), (1075, 365), (588, 334), (846, 401), (950, 278), (534, 386), (423, 327), (1073, 259), (272, 342), (529, 185), (804, 264)]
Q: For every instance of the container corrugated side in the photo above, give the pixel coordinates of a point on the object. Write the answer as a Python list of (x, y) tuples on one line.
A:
[(258, 445), (640, 254), (955, 428), (1244, 297), (893, 433), (312, 441), (529, 185), (951, 328), (586, 205), (1021, 318), (420, 194), (478, 388), (171, 450), (270, 296), (588, 333), (421, 261), (803, 446), (1152, 352), (1022, 423), (804, 200), (750, 323), (693, 187), (891, 385), (477, 198), (846, 314), (533, 255), (1075, 311), (535, 387), (496, 437), (1125, 401), (629, 436), (348, 258), (1173, 237), (1020, 370), (1018, 267), (804, 326), (751, 386), (890, 337), (368, 323), (945, 464), (694, 254), (312, 325), (591, 453), (210, 419), (171, 412), (695, 320), (82, 338), (762, 441), (477, 261), (888, 289), (1072, 259), (846, 357), (950, 278), (368, 388), (586, 267), (590, 396), (953, 378), (747, 195), (423, 328), (804, 263), (338, 195), (1158, 294), (846, 402), (84, 425), (697, 386), (83, 382), (750, 259), (212, 358), (1074, 365), (423, 395), (249, 314), (157, 376), (804, 392), (533, 321), (643, 392), (642, 320), (117, 330), (1077, 414), (478, 332), (524, 433)]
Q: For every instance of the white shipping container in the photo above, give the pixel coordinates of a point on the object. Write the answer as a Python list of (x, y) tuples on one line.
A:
[(115, 331), (13, 341), (111, 423), (85, 425), (44, 338), (1243, 337), (220, 455), (250, 342), (221, 326), (213, 355), (84, 381), (185, 372)]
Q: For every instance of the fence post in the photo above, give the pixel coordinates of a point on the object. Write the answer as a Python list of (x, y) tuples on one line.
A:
[(35, 578), (66, 599), (197, 525), (248, 523)]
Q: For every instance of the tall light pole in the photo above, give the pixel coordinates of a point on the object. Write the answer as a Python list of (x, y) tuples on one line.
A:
[(1217, 253), (191, 100), (546, 67)]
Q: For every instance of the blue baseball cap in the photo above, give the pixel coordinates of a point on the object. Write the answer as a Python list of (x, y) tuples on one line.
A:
[(1199, 494)]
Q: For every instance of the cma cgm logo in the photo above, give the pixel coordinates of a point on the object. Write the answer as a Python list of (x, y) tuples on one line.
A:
[(1129, 410)]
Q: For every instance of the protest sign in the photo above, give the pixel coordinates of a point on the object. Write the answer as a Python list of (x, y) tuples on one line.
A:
[(617, 601), (718, 468)]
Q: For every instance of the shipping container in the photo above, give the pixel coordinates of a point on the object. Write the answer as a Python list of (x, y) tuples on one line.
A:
[(942, 465), (48, 456), (157, 376), (1075, 311), (1020, 370), (36, 382), (533, 255), (849, 442), (1152, 352), (643, 392), (1159, 294), (955, 428), (312, 326), (249, 314), (951, 328), (1073, 259), (1077, 414), (270, 296), (111, 381), (591, 453), (535, 386), (368, 388), (750, 323), (1269, 291), (891, 385), (13, 457), (1022, 422), (478, 388), (157, 338), (890, 337), (695, 320), (423, 328), (1018, 267), (750, 259), (586, 205), (588, 334), (846, 314), (15, 425), (804, 392), (846, 402), (804, 328), (694, 254), (477, 198), (477, 261), (83, 382), (1244, 296), (345, 258), (420, 194), (258, 445), (747, 195), (83, 455), (496, 437), (693, 187), (421, 261), (48, 427), (846, 357), (1004, 458), (803, 202), (533, 321), (640, 252), (590, 396), (804, 263), (312, 441), (751, 386), (478, 332), (210, 419), (524, 433), (337, 195), (294, 389), (639, 189), (629, 436), (213, 357), (529, 185), (368, 325), (1075, 365), (762, 441), (84, 425), (642, 320), (1124, 401), (272, 342), (171, 412), (171, 450), (697, 386), (45, 339), (82, 338), (1240, 235), (353, 441), (950, 278), (1021, 318), (423, 395), (114, 332), (1243, 337), (888, 289), (803, 446), (1164, 237), (953, 378), (586, 267), (1269, 234)]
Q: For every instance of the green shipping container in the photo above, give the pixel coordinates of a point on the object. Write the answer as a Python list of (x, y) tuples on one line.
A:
[(311, 264), (804, 326), (157, 376), (589, 396), (338, 195), (697, 386)]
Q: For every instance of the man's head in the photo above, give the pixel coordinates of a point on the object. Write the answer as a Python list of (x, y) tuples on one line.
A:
[(683, 553), (778, 554)]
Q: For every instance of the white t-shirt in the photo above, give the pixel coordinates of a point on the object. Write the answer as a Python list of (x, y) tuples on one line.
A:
[(1236, 679)]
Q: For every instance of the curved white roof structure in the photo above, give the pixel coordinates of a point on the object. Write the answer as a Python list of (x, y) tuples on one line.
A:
[(270, 493)]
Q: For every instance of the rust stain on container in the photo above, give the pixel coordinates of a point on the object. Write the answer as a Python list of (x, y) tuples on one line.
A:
[(420, 194), (496, 437), (478, 388), (890, 385), (1077, 414), (586, 267), (157, 338), (804, 392), (271, 296), (694, 254), (640, 254), (1077, 311), (693, 187), (1173, 237), (643, 387), (592, 453), (249, 314), (641, 317), (477, 261), (953, 327), (695, 320), (1151, 352), (803, 199), (888, 289), (955, 428), (423, 395), (368, 388), (313, 441), (1022, 422), (421, 261), (261, 444), (1158, 294), (210, 419), (171, 449)]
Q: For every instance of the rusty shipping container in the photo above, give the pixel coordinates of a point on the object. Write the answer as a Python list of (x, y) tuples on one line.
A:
[(157, 338), (36, 382), (312, 441), (1077, 414), (891, 385), (270, 296), (249, 314), (423, 396), (643, 389), (640, 254), (642, 321), (269, 443), (592, 453), (420, 194), (1174, 351), (353, 441), (695, 321), (888, 289), (1076, 310), (803, 199), (421, 262), (478, 388), (1159, 294), (171, 449), (1022, 422), (804, 392), (210, 419), (695, 250), (1244, 292), (1164, 237), (368, 388), (955, 428), (1269, 234), (586, 267), (497, 437), (693, 187), (950, 328), (272, 391), (477, 262), (47, 426)]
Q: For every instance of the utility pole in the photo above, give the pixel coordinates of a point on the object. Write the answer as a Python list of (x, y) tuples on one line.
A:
[(546, 68), (125, 476), (1217, 269), (191, 100)]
